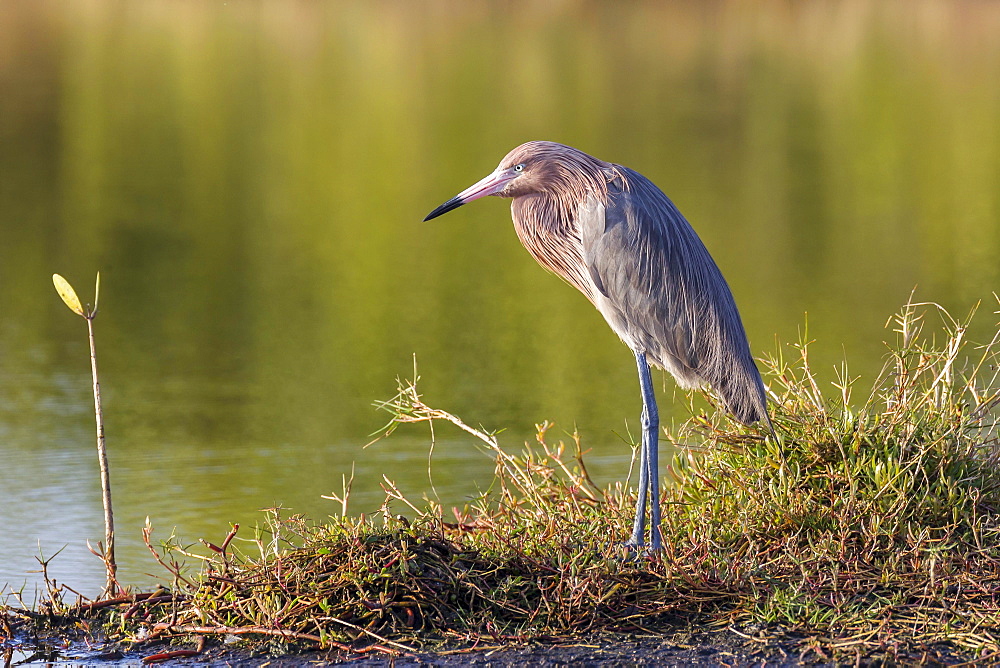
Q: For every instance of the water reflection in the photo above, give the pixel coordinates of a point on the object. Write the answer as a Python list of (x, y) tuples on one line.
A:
[(249, 179)]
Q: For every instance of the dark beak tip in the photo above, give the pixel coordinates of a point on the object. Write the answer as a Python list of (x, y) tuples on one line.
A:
[(450, 205)]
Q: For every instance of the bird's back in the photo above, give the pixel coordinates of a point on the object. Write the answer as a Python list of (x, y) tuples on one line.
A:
[(661, 291)]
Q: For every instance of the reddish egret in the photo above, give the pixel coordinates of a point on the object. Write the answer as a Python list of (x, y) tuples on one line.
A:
[(613, 235)]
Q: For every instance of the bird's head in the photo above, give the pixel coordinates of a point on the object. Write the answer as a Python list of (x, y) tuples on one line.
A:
[(531, 168)]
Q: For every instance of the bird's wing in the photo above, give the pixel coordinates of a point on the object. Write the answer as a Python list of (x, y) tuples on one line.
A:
[(663, 294)]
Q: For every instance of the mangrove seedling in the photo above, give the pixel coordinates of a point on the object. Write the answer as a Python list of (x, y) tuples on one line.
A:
[(107, 551)]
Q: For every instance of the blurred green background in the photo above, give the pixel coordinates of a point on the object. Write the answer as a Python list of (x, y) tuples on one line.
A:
[(250, 177)]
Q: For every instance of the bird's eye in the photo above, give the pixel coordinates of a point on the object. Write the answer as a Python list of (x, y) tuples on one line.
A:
[(519, 168)]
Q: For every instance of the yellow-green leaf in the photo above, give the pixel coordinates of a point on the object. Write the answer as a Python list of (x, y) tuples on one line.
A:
[(68, 294), (97, 291)]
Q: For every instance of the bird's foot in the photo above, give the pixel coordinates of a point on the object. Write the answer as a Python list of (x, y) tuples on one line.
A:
[(636, 550), (633, 551)]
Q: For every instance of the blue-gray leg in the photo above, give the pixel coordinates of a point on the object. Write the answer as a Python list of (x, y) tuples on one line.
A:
[(638, 539), (649, 475)]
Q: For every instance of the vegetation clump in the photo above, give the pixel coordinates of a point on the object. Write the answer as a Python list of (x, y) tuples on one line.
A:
[(851, 530)]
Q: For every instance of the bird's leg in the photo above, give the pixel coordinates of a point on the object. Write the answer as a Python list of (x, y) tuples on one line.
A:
[(638, 539), (650, 458)]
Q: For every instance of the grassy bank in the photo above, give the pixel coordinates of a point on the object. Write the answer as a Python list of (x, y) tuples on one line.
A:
[(865, 526)]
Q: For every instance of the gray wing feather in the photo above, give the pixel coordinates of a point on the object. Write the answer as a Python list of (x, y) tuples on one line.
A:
[(663, 294)]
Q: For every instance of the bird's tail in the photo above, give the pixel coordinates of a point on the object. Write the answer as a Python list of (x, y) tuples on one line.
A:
[(742, 391)]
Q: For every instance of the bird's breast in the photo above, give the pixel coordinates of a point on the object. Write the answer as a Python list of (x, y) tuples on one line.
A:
[(550, 235)]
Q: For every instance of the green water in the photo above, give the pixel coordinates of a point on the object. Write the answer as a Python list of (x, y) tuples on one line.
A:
[(250, 178)]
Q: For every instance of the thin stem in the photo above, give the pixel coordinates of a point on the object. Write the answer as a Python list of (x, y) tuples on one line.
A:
[(102, 454)]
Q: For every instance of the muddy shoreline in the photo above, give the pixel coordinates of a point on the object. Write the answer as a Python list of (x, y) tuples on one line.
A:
[(703, 649), (679, 648)]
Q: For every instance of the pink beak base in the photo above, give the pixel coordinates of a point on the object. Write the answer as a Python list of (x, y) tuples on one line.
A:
[(490, 185)]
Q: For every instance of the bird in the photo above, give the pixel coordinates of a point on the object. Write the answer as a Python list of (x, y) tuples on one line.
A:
[(616, 237)]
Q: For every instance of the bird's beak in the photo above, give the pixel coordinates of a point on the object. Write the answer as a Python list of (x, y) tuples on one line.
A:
[(491, 185)]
